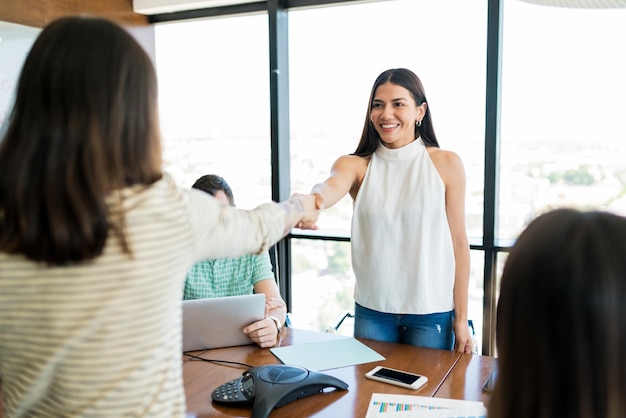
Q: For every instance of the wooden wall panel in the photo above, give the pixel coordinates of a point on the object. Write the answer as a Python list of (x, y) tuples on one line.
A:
[(24, 12), (39, 13)]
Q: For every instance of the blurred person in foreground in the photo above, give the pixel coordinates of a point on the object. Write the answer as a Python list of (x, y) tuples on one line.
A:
[(233, 276), (561, 319), (95, 240)]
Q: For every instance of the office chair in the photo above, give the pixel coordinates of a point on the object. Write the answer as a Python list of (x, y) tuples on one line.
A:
[(333, 327)]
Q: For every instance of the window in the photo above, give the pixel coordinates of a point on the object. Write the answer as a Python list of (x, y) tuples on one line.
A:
[(322, 283), (331, 75), (563, 90), (15, 42), (332, 72), (214, 103)]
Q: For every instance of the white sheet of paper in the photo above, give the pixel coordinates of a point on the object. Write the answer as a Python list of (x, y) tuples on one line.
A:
[(385, 405), (340, 352)]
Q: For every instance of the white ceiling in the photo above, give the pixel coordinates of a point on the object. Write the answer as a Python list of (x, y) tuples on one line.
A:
[(149, 7)]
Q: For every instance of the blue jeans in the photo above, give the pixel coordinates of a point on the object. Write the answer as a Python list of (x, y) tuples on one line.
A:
[(430, 330)]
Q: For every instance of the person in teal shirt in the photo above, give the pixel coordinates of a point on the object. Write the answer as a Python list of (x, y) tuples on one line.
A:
[(251, 273)]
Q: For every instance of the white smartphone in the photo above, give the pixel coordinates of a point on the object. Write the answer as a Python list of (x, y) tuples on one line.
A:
[(397, 377)]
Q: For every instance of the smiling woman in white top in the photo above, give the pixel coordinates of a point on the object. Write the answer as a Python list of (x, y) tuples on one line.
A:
[(410, 252)]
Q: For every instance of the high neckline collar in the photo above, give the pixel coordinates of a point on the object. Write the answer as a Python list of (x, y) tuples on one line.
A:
[(405, 152)]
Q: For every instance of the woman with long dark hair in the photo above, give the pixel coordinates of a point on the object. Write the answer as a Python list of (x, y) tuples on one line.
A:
[(410, 252), (561, 320), (95, 240)]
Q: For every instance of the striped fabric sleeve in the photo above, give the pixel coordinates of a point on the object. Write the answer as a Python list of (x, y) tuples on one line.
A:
[(223, 231)]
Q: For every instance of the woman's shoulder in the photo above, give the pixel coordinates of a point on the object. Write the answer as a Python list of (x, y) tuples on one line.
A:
[(438, 155), (353, 167), (352, 161), (448, 163)]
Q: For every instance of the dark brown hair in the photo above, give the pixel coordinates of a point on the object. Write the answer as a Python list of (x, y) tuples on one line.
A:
[(211, 183), (408, 80), (84, 123), (561, 320)]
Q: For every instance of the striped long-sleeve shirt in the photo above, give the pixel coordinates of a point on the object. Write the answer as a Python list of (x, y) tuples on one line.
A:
[(103, 338)]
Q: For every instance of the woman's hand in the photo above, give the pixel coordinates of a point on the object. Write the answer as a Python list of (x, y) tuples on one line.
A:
[(312, 205), (462, 337)]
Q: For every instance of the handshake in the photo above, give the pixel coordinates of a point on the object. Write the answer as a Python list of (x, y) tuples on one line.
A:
[(303, 210)]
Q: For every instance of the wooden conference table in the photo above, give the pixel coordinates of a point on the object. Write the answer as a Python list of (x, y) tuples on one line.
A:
[(450, 375)]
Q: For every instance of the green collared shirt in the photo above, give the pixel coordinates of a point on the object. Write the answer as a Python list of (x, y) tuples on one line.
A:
[(227, 276)]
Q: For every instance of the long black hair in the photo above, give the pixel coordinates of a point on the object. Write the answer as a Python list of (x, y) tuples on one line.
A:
[(84, 123), (561, 319)]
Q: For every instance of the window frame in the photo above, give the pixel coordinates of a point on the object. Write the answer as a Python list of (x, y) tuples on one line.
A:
[(277, 11)]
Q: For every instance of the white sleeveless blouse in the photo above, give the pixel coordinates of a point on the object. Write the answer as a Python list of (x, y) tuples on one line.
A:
[(402, 252)]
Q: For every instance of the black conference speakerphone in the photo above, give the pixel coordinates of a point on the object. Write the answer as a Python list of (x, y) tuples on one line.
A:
[(272, 386)]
